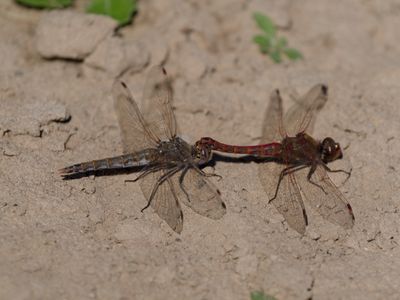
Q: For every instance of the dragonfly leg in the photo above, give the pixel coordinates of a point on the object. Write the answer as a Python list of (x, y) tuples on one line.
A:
[(201, 172), (145, 172), (284, 172), (312, 170), (160, 180), (181, 177), (348, 173), (277, 188)]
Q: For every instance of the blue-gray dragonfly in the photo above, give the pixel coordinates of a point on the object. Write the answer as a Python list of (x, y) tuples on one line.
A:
[(170, 172)]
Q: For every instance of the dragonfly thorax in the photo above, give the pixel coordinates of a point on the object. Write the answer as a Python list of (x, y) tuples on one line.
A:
[(175, 150), (300, 149)]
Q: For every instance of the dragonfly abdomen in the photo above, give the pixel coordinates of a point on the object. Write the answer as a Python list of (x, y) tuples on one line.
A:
[(117, 162), (265, 150)]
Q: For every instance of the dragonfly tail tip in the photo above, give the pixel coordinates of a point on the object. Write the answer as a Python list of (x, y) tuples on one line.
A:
[(64, 172)]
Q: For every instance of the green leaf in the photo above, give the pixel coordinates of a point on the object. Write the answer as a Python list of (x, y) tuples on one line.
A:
[(282, 43), (276, 56), (263, 41), (120, 10), (292, 53), (265, 24), (45, 3), (261, 296)]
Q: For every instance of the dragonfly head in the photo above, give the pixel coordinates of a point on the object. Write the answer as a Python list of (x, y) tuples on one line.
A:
[(202, 152), (330, 150)]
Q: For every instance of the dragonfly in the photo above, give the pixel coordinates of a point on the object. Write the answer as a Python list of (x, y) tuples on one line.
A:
[(287, 144), (170, 166)]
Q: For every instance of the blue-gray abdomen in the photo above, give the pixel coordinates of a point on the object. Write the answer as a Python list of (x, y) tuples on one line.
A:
[(138, 159)]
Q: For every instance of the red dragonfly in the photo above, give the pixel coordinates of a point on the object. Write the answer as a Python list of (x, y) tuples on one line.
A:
[(295, 152), (170, 166)]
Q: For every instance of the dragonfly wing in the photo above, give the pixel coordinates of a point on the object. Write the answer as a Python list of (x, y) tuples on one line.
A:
[(329, 202), (204, 197), (272, 126), (157, 104), (135, 135), (288, 201), (301, 116), (165, 202)]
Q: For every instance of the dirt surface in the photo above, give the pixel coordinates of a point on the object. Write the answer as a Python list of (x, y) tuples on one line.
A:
[(87, 239)]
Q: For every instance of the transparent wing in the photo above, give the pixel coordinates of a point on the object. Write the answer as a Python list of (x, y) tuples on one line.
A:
[(204, 197), (301, 116), (165, 202), (331, 204), (135, 136), (157, 104), (288, 201), (272, 126)]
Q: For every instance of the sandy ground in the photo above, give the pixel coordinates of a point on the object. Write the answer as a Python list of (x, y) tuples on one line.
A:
[(87, 239)]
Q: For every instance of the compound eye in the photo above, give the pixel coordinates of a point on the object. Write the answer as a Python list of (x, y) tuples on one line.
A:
[(328, 145), (330, 150)]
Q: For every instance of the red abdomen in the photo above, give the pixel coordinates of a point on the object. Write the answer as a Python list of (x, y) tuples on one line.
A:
[(264, 150)]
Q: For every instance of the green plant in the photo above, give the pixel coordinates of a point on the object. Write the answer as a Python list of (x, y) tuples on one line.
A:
[(120, 10), (272, 45), (260, 295), (45, 3)]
